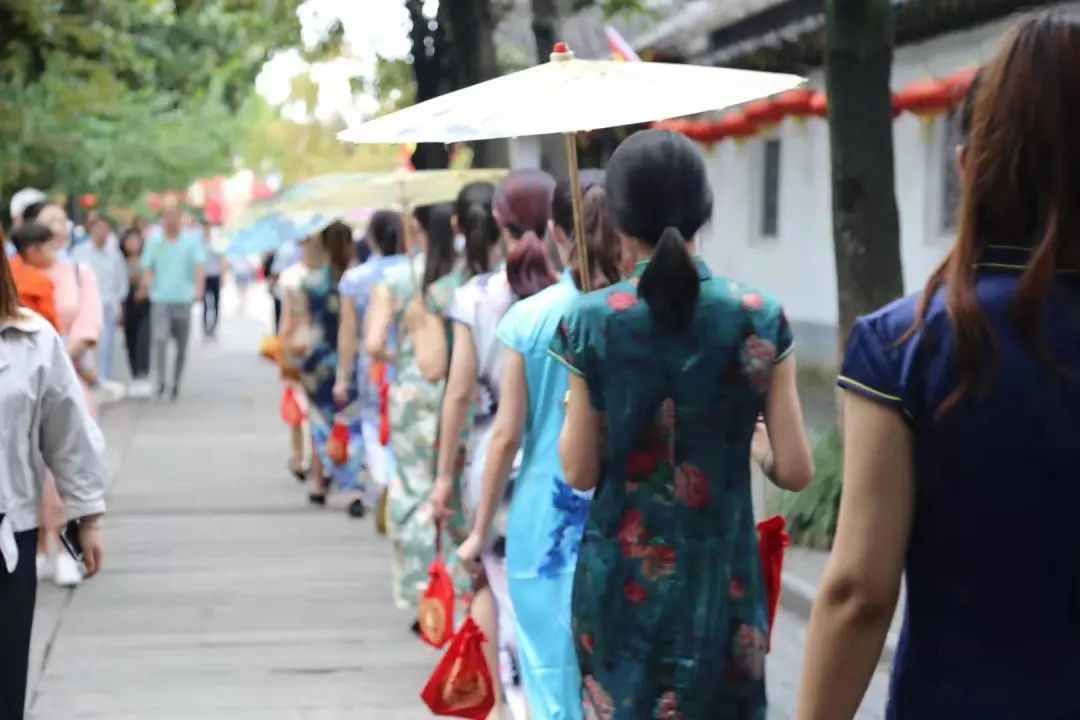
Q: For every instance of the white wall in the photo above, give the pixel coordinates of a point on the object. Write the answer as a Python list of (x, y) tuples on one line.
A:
[(798, 266)]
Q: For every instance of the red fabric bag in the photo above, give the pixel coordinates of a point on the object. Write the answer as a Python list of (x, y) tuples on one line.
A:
[(772, 541), (337, 447), (461, 684), (290, 408), (436, 611)]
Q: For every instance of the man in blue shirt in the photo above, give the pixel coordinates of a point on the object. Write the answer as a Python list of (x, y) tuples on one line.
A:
[(173, 263)]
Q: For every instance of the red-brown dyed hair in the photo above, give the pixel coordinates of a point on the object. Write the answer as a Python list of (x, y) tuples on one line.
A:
[(522, 206), (1021, 188)]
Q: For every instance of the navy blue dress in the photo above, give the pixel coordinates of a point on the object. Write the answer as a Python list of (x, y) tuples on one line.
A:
[(992, 627)]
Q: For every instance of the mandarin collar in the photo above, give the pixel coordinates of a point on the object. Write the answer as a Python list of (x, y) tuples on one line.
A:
[(1011, 258)]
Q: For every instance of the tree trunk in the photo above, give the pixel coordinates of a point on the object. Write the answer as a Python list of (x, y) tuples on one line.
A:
[(471, 39), (547, 28), (428, 68), (866, 225)]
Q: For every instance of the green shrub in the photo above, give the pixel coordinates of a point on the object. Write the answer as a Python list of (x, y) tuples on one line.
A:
[(812, 514)]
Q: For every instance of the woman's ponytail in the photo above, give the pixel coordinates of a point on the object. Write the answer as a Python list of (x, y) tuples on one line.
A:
[(527, 267), (671, 284)]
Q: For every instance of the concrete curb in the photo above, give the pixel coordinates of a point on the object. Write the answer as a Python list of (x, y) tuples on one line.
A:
[(797, 597)]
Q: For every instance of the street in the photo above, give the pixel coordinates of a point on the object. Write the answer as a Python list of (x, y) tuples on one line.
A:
[(225, 595)]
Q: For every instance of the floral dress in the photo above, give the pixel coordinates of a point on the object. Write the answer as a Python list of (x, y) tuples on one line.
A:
[(669, 607), (318, 371)]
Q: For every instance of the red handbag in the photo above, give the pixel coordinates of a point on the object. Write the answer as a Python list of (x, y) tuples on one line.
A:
[(337, 447), (461, 684), (772, 541), (290, 408), (436, 611)]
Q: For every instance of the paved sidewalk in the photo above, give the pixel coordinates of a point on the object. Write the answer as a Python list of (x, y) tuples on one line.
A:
[(225, 596)]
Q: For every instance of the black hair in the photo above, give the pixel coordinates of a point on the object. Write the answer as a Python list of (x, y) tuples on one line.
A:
[(385, 232), (128, 232), (967, 110), (659, 194), (338, 241), (30, 214), (440, 248), (29, 235), (477, 223), (363, 252)]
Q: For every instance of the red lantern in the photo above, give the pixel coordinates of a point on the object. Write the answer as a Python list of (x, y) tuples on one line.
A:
[(153, 201), (737, 125), (926, 97), (960, 83), (795, 102), (714, 132), (819, 105), (763, 112), (696, 130), (88, 201)]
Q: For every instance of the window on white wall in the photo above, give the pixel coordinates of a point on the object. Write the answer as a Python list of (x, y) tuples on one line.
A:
[(950, 177), (769, 227)]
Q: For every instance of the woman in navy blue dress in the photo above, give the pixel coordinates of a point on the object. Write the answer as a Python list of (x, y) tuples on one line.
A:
[(962, 433)]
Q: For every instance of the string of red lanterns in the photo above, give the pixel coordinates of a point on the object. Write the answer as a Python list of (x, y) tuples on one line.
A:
[(925, 98)]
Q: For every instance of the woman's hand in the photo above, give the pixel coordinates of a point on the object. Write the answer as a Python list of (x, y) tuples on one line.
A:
[(341, 393), (761, 451), (440, 497), (469, 554), (93, 544)]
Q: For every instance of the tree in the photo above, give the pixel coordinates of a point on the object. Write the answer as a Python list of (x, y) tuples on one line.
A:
[(866, 225)]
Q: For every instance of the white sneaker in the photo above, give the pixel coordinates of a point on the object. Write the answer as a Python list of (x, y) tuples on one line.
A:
[(67, 571), (43, 567), (140, 390)]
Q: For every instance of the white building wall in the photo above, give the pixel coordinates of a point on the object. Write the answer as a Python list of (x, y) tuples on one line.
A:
[(798, 265)]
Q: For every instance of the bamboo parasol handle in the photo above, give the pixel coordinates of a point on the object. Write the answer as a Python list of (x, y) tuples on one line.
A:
[(579, 222)]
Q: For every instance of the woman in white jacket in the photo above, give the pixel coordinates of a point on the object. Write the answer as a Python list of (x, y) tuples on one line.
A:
[(44, 424)]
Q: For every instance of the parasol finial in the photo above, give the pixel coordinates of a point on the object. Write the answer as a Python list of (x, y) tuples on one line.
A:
[(561, 52)]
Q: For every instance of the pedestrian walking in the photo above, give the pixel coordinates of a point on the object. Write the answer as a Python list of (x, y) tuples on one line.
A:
[(34, 250), (136, 316), (39, 385), (393, 322), (296, 341), (78, 310), (215, 269), (17, 206), (319, 370), (673, 367), (522, 209), (113, 282), (547, 516), (961, 420), (385, 238), (173, 261)]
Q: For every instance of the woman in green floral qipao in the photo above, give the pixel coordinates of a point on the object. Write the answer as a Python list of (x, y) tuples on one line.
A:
[(671, 370)]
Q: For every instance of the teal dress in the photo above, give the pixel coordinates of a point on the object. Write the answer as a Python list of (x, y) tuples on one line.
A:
[(547, 516), (669, 607)]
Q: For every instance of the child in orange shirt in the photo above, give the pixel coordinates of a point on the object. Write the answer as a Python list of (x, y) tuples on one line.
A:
[(36, 290)]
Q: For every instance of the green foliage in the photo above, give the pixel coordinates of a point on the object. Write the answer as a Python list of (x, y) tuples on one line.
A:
[(614, 7), (812, 514), (119, 97)]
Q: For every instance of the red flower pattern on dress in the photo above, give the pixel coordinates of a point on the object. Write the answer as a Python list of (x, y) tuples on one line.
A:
[(748, 652), (641, 463), (632, 533), (736, 589), (757, 358), (667, 707), (692, 486), (599, 698), (634, 593), (620, 300), (659, 561), (586, 642), (753, 301)]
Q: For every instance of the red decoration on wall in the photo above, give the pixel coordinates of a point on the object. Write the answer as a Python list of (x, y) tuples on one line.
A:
[(764, 112), (737, 125), (819, 105), (926, 97), (795, 102)]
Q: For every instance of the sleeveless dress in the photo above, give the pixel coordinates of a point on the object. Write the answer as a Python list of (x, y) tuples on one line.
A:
[(992, 622), (547, 516), (669, 606)]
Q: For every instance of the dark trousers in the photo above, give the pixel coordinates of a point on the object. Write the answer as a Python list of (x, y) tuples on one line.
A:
[(211, 304), (17, 594), (137, 336), (277, 315)]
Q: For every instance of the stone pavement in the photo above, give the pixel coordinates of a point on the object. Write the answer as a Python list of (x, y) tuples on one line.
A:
[(225, 596)]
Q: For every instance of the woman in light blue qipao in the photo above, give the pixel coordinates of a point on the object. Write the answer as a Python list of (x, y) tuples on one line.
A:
[(547, 517)]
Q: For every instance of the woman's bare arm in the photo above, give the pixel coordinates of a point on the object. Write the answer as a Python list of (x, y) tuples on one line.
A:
[(789, 462), (380, 317), (862, 580), (457, 399), (579, 443)]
